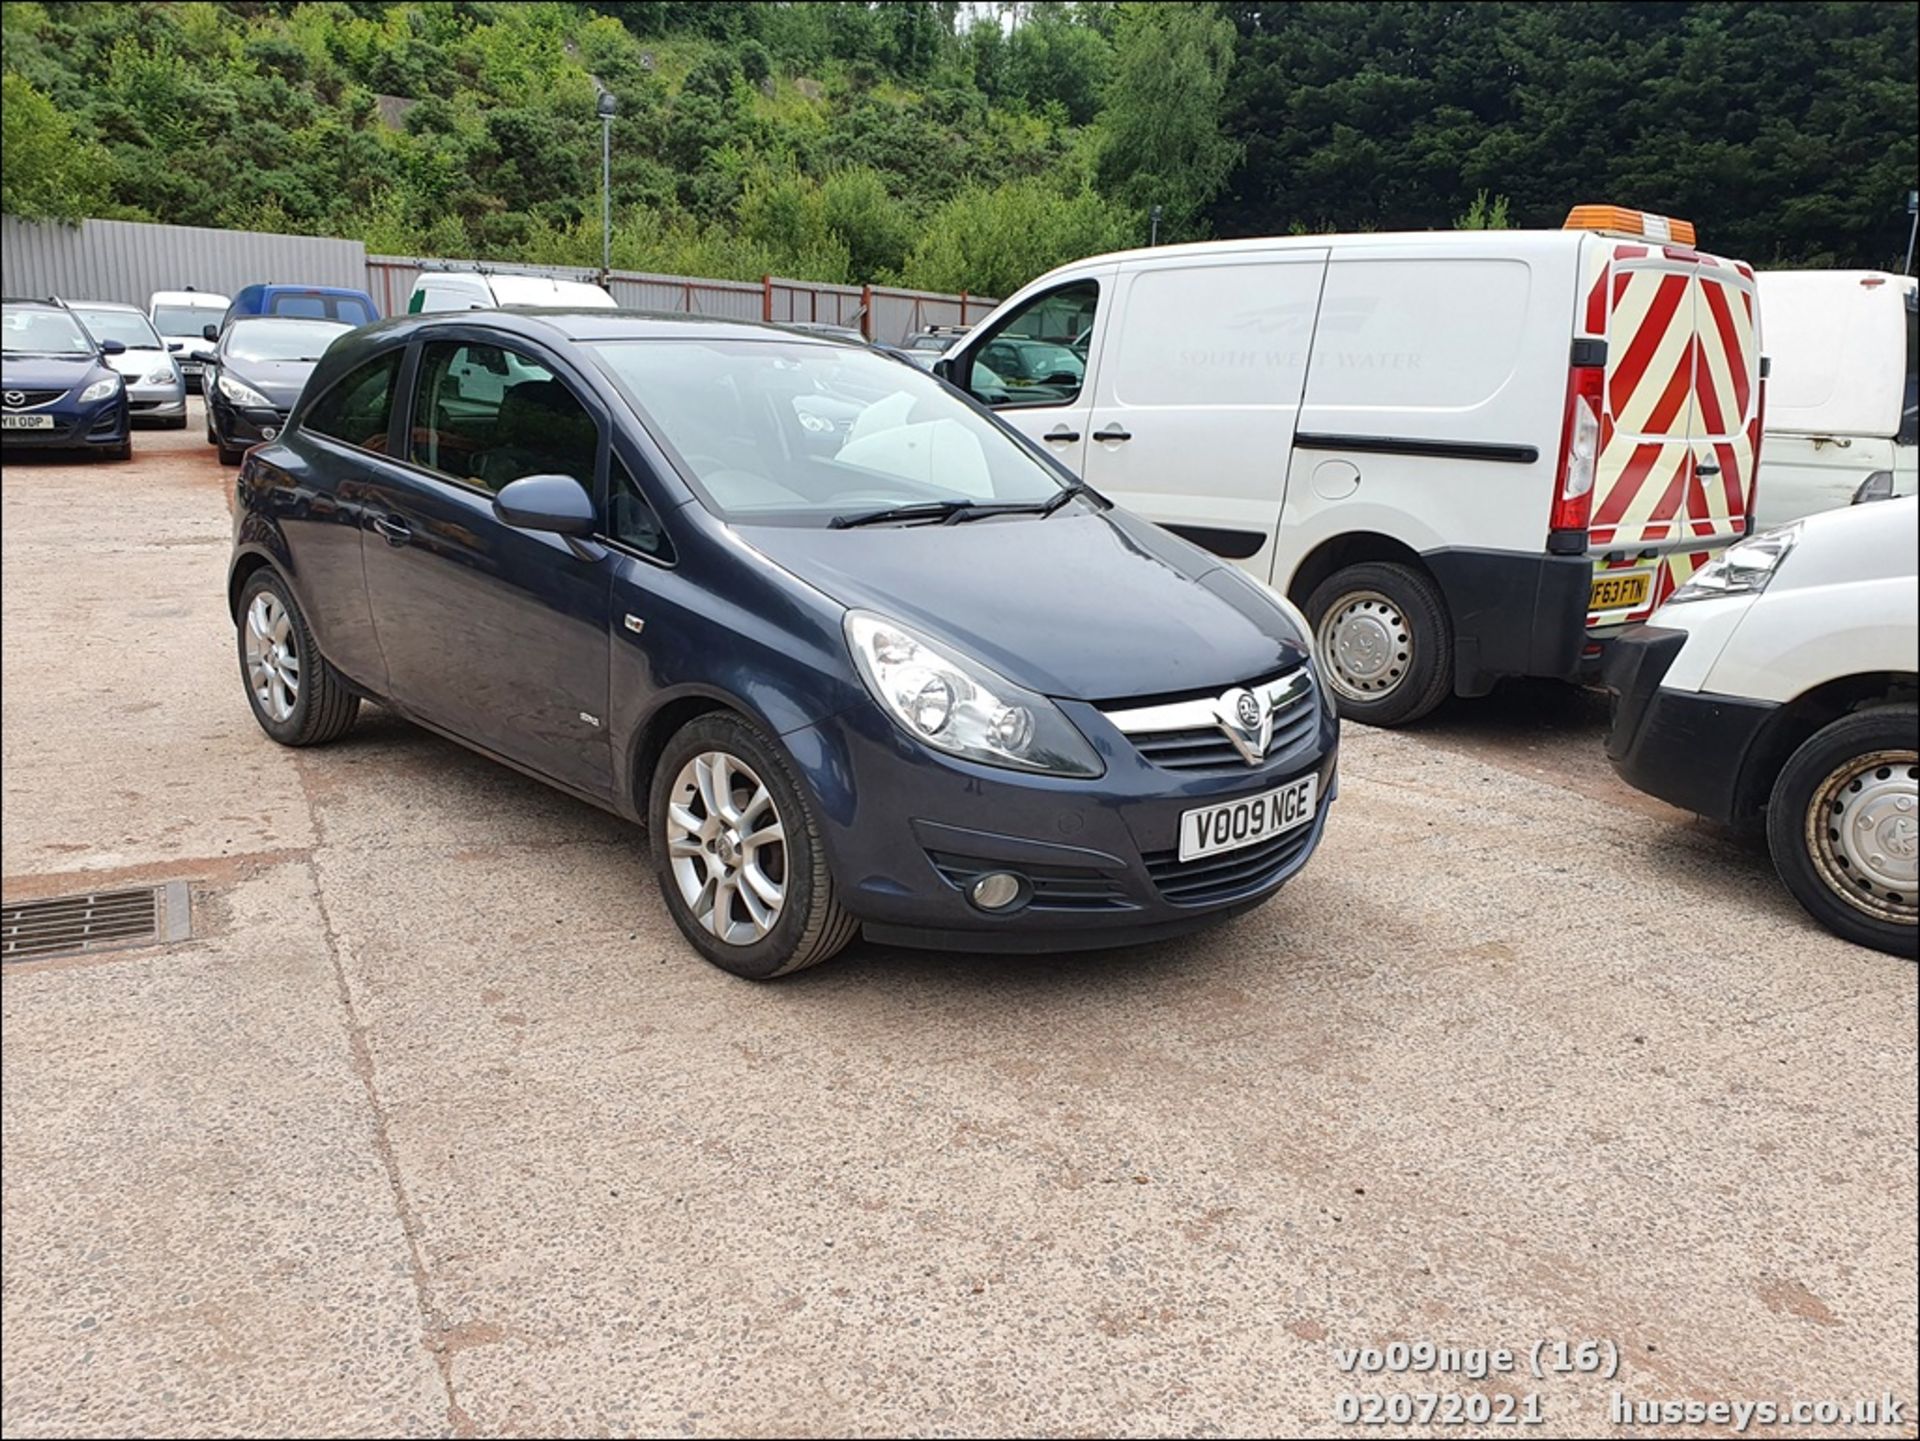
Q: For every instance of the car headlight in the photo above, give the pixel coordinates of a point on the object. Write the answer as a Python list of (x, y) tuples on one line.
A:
[(959, 706), (162, 376), (1743, 569), (100, 390), (241, 394)]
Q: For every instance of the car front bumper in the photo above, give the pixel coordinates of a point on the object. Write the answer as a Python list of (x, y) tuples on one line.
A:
[(100, 426), (906, 830), (241, 426), (157, 402), (1689, 748)]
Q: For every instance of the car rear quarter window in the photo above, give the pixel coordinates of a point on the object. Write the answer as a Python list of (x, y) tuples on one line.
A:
[(487, 415), (358, 409)]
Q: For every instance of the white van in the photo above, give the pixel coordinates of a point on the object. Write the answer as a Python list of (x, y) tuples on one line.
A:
[(1465, 455), (1841, 418), (490, 289), (181, 317), (1782, 681)]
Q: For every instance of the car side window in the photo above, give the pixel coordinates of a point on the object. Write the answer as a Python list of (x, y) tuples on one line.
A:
[(631, 518), (487, 415), (1038, 355), (359, 406)]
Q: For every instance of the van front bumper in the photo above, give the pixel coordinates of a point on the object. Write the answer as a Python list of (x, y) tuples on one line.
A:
[(906, 830), (1688, 748)]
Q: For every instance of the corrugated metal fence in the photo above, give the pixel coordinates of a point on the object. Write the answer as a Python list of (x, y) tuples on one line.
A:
[(127, 261)]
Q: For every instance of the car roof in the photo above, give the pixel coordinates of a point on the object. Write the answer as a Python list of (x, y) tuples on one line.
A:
[(105, 305), (291, 320), (44, 304), (551, 323)]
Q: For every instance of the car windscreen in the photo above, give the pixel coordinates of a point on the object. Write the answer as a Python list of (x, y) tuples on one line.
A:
[(185, 321), (771, 432), (129, 327), (280, 339), (38, 330), (318, 305)]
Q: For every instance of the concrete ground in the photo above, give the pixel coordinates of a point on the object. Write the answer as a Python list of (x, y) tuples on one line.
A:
[(436, 1126)]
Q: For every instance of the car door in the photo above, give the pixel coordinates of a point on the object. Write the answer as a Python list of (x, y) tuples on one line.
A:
[(495, 634), (1050, 408), (1198, 394)]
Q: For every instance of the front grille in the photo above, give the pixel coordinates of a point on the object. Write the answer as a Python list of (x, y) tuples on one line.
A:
[(1184, 734), (28, 399), (1230, 876), (96, 921), (1055, 888)]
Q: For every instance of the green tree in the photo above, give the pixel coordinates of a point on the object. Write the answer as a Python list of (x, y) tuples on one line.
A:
[(1484, 214), (994, 239), (1163, 143), (50, 173)]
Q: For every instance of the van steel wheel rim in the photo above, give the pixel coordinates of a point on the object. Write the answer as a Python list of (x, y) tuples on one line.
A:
[(727, 847), (1365, 645), (1863, 832), (273, 663)]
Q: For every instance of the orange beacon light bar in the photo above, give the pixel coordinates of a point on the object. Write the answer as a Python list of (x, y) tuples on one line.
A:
[(1619, 220)]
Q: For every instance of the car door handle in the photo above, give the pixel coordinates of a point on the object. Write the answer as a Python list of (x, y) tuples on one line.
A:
[(1706, 468), (1113, 432), (1062, 434), (396, 532)]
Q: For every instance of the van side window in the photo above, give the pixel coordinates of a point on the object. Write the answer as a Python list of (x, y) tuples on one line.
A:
[(358, 408), (1038, 355), (487, 415), (1909, 432), (631, 518)]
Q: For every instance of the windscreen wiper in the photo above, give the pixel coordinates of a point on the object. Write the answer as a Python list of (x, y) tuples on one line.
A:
[(1021, 507), (919, 510)]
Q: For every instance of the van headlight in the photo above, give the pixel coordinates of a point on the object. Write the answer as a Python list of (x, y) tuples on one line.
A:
[(241, 394), (1742, 569), (959, 706), (100, 390)]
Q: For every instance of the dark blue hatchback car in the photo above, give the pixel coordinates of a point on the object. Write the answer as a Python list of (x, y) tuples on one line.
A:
[(57, 391), (859, 656)]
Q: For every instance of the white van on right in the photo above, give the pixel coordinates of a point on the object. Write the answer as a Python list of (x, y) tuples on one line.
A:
[(1841, 420), (1780, 683)]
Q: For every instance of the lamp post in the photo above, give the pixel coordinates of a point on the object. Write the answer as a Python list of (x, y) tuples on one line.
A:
[(1153, 235), (607, 107)]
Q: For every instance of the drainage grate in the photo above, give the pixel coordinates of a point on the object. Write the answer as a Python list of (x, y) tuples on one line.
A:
[(100, 921)]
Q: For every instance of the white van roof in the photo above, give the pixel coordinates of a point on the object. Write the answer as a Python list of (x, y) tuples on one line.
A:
[(514, 288), (203, 299), (1837, 340)]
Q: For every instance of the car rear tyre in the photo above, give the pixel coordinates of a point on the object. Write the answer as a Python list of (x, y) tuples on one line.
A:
[(296, 696), (1843, 824), (1384, 642), (737, 850)]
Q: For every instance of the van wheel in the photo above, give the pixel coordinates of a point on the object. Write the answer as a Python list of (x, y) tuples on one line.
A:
[(1384, 642), (737, 850), (1843, 825)]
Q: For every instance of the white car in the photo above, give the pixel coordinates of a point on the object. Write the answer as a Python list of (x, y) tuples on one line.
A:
[(1842, 424), (156, 389), (1780, 683), (491, 289), (1465, 455)]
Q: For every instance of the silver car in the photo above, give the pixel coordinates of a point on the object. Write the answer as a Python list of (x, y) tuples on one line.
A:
[(156, 391)]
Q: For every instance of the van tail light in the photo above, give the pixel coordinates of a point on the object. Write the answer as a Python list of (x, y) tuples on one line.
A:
[(1759, 439), (1579, 459)]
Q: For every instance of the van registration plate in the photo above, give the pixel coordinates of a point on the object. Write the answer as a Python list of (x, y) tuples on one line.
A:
[(1620, 592), (1249, 820), (26, 422)]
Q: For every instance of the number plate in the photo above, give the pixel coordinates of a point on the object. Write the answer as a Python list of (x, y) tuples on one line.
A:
[(1620, 592), (26, 422), (1249, 820)]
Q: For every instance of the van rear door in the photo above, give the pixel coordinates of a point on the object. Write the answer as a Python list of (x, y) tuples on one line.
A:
[(1680, 428)]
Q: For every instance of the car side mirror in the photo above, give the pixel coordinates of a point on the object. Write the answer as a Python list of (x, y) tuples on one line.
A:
[(176, 345), (943, 367), (204, 354), (209, 332), (558, 504), (113, 347)]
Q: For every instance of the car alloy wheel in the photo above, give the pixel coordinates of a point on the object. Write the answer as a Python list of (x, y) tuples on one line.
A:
[(273, 659), (727, 847), (1365, 644), (1863, 831)]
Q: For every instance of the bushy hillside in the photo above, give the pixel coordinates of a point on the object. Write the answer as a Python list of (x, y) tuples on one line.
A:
[(955, 146)]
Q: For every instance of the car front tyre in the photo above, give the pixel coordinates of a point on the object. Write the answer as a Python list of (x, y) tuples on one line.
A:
[(1384, 642), (736, 847), (1843, 824), (297, 697)]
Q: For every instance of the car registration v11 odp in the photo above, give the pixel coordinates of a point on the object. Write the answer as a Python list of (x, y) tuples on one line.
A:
[(1226, 827)]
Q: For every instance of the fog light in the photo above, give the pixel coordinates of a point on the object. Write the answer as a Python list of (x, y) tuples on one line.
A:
[(995, 892), (268, 432)]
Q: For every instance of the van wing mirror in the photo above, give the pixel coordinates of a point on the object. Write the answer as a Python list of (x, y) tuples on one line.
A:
[(558, 504), (209, 332), (943, 367)]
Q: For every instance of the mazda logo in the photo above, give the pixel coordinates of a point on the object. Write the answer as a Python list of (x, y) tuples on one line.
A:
[(15, 398)]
